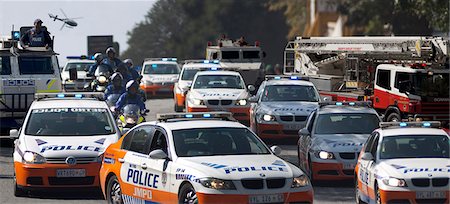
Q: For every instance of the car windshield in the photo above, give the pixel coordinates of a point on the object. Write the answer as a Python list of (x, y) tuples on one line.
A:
[(70, 122), (290, 93), (346, 123), (161, 69), (35, 65), (217, 141), (415, 146), (434, 85), (131, 110), (188, 74), (80, 66), (230, 55), (218, 81)]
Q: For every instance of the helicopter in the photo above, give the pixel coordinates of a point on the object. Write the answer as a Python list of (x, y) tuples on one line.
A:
[(67, 22)]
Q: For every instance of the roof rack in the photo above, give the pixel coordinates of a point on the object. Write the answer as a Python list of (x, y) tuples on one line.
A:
[(200, 61), (290, 77), (165, 59), (346, 103), (195, 116), (78, 95), (424, 124)]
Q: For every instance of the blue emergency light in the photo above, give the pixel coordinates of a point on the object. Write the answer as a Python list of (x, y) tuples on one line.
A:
[(403, 124), (189, 116), (206, 115), (16, 35), (78, 96), (277, 77), (216, 61), (339, 103), (351, 103), (164, 59), (206, 61), (154, 65), (60, 95), (427, 124), (214, 69), (294, 77), (174, 59)]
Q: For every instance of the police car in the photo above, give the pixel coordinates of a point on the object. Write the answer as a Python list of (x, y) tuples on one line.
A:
[(159, 75), (405, 162), (82, 65), (220, 91), (62, 141), (281, 106), (198, 158), (328, 146), (188, 71)]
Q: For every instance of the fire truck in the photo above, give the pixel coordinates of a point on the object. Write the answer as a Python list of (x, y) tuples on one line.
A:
[(24, 71), (248, 59), (406, 78)]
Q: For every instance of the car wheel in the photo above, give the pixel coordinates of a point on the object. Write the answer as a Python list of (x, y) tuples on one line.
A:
[(19, 192), (357, 193), (177, 108), (377, 195), (394, 117), (113, 191), (187, 195)]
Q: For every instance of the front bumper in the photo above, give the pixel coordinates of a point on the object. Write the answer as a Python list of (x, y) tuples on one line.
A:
[(331, 171), (241, 114), (275, 131), (180, 99), (409, 197), (296, 197), (44, 175), (152, 89)]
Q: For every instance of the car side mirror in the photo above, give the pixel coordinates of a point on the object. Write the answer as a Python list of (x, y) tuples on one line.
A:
[(253, 99), (158, 154), (367, 156), (327, 98), (276, 150), (303, 132), (14, 133), (73, 75), (251, 88)]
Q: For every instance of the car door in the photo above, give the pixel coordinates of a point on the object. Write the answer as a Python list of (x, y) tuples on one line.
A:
[(305, 142), (371, 165), (363, 173)]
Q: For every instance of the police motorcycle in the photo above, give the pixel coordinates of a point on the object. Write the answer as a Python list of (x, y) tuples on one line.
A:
[(101, 79), (111, 101), (130, 117)]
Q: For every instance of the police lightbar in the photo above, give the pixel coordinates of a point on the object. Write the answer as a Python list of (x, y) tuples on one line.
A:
[(165, 59), (424, 124), (15, 35), (346, 103), (195, 116), (201, 61), (80, 57), (290, 77), (72, 95)]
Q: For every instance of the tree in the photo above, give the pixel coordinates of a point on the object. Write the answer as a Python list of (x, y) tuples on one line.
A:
[(295, 13)]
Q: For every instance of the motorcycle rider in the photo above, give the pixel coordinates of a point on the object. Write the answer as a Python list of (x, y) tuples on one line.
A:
[(116, 85), (129, 64), (131, 96), (126, 76), (98, 57), (111, 59)]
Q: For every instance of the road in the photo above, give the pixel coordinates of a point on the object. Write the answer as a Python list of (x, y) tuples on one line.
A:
[(331, 192)]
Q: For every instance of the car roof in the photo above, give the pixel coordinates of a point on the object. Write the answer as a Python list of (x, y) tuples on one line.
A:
[(200, 65), (330, 109), (206, 123), (80, 61), (159, 62), (218, 73), (387, 132), (68, 103), (288, 82)]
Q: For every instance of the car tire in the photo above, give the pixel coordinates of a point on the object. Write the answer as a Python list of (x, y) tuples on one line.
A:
[(187, 195), (357, 194), (19, 192), (177, 108), (393, 117), (113, 191)]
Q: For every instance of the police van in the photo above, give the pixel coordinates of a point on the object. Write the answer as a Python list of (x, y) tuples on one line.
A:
[(81, 64), (24, 71)]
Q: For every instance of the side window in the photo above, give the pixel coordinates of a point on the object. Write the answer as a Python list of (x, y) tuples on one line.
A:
[(127, 140), (374, 147), (5, 65), (260, 90), (401, 77), (369, 142), (140, 139), (384, 79), (310, 124), (159, 141)]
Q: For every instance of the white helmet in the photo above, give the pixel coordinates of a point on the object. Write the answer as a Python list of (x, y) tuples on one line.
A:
[(128, 61), (110, 49), (98, 56)]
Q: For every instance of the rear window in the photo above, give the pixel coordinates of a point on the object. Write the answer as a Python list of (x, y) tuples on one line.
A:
[(80, 66), (230, 54), (346, 123), (161, 69), (35, 65), (251, 54), (5, 65)]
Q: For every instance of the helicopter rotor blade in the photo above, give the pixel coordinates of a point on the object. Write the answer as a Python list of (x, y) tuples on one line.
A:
[(75, 18), (63, 13), (63, 25)]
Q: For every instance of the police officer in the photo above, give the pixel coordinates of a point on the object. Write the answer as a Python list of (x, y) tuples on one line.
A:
[(131, 96), (123, 70), (98, 57), (116, 85), (134, 74), (36, 37), (111, 60)]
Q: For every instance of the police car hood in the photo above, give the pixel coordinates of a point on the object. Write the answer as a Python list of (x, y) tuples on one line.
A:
[(236, 167), (230, 94), (288, 107), (416, 167), (64, 146), (242, 65), (339, 142), (158, 78)]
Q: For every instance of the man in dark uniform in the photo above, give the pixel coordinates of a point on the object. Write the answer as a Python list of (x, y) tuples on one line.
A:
[(36, 37)]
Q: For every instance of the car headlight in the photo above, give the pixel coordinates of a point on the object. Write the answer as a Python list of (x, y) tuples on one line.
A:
[(217, 184), (395, 182), (300, 181), (241, 102), (33, 158), (268, 118), (131, 120), (325, 155), (102, 79), (198, 102)]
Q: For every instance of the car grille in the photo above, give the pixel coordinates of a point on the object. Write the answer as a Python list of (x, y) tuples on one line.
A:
[(225, 102), (62, 160), (275, 183), (221, 102), (259, 183), (89, 180), (347, 155), (431, 201), (421, 182), (425, 182), (297, 118), (286, 117), (440, 182)]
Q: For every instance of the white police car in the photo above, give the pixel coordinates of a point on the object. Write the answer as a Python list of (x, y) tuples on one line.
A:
[(405, 162), (198, 158), (281, 106), (159, 75), (61, 142), (188, 71), (82, 65), (220, 91)]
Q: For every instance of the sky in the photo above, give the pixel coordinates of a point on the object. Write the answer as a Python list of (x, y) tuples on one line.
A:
[(98, 18)]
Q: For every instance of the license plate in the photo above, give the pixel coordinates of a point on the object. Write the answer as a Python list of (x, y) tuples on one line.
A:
[(70, 172), (293, 126), (430, 194), (273, 198), (348, 165)]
